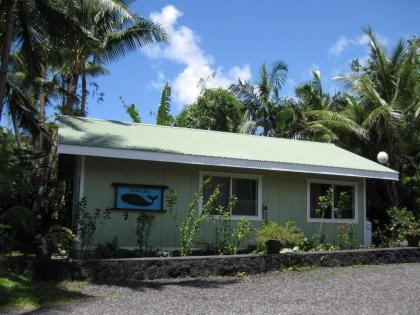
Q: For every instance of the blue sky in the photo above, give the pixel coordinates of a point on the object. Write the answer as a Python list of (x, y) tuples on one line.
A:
[(234, 37)]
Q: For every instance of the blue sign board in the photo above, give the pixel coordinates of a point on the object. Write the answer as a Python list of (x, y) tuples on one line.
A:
[(139, 197)]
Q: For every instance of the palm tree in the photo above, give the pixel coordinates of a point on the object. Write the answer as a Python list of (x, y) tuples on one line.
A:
[(117, 33), (384, 112), (313, 105), (261, 100), (33, 24)]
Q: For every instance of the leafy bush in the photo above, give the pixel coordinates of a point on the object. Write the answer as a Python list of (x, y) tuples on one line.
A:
[(108, 249), (190, 224), (316, 243), (346, 238), (289, 234), (88, 223), (232, 238), (402, 224), (143, 229), (58, 239)]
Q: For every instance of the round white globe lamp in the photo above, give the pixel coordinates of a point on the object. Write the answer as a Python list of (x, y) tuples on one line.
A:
[(382, 157)]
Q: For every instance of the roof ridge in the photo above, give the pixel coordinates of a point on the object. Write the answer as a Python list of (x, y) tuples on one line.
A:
[(194, 129)]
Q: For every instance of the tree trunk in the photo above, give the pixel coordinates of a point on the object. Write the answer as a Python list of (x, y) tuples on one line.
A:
[(42, 102), (45, 175), (63, 88), (17, 131), (71, 98), (5, 54), (84, 95)]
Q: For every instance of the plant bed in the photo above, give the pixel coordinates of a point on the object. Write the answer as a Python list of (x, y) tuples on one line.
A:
[(134, 269)]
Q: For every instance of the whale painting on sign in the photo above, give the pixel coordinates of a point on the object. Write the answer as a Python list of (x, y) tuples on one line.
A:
[(138, 197)]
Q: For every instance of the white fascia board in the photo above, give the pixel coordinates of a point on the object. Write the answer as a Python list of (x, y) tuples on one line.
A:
[(219, 161)]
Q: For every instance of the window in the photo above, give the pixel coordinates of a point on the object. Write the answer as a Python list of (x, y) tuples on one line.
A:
[(331, 201), (244, 187)]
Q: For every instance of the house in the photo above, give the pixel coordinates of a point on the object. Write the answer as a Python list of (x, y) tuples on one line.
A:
[(128, 167)]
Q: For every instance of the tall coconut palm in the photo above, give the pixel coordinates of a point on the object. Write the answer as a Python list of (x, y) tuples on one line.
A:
[(30, 25), (261, 99), (117, 32), (385, 107)]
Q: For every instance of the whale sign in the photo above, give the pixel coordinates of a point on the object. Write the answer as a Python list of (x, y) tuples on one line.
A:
[(139, 197)]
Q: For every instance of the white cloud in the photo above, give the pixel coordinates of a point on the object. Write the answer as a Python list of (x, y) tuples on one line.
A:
[(343, 42), (339, 46), (159, 82), (183, 48)]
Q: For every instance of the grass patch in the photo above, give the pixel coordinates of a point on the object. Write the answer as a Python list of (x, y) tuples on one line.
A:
[(18, 290)]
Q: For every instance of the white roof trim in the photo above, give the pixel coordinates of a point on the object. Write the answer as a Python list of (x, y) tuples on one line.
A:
[(220, 161)]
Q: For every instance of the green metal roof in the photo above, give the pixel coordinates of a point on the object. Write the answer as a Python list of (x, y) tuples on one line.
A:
[(97, 133)]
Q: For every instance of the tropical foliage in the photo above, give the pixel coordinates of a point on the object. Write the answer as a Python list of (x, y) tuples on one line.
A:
[(51, 51), (164, 112), (215, 109)]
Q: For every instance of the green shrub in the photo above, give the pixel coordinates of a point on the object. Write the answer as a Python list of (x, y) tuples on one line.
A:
[(143, 229), (108, 249), (58, 239), (289, 234), (231, 238), (346, 238), (88, 224), (189, 226), (402, 224), (315, 244)]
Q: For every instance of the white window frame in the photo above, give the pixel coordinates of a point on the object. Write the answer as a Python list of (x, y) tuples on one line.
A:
[(355, 220), (257, 217)]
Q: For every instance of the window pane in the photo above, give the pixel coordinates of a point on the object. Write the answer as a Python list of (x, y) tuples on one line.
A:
[(224, 187), (246, 192), (319, 195), (343, 202)]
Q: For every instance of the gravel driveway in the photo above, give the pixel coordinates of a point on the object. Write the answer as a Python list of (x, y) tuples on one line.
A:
[(384, 289)]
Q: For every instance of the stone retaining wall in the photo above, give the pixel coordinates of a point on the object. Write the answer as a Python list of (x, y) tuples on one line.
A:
[(132, 269)]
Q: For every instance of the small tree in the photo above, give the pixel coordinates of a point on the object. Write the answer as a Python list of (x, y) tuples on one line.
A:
[(143, 229), (232, 238), (190, 224), (325, 202), (214, 109), (164, 112), (87, 224)]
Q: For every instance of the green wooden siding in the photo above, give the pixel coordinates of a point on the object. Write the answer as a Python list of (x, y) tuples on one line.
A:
[(283, 193)]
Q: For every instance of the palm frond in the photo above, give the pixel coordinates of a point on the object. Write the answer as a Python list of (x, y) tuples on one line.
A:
[(336, 122), (378, 55), (278, 73), (245, 92), (383, 119), (142, 32), (111, 6)]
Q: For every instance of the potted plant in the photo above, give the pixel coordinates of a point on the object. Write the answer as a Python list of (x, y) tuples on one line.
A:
[(273, 246), (272, 237)]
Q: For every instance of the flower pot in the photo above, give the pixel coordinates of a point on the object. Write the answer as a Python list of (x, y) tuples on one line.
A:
[(273, 246)]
